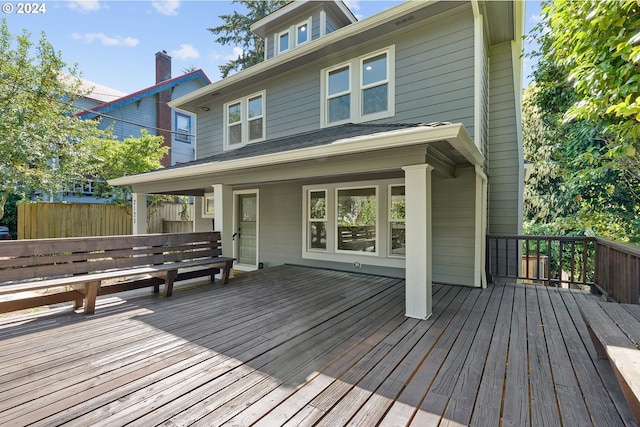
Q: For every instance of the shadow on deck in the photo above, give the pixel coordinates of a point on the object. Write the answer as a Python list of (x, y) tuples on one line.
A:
[(296, 346)]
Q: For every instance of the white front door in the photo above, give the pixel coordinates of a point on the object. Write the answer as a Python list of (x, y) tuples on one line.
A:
[(246, 229)]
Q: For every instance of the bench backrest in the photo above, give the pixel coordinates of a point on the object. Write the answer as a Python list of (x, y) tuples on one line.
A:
[(26, 259)]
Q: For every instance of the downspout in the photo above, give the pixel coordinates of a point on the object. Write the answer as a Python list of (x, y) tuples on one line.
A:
[(481, 225)]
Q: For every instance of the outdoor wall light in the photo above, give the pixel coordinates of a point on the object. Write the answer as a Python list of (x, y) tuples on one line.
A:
[(205, 108)]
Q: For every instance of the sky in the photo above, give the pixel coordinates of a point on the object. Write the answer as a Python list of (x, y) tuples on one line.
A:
[(114, 42)]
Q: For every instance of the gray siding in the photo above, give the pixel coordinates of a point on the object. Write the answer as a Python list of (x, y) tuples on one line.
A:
[(505, 155), (434, 82), (131, 116), (453, 225)]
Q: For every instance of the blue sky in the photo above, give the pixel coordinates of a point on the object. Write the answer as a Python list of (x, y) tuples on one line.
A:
[(114, 42)]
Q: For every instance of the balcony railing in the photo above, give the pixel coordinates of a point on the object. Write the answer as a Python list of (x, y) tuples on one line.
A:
[(609, 267)]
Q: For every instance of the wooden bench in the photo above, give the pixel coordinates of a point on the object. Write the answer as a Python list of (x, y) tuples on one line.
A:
[(90, 266), (616, 336)]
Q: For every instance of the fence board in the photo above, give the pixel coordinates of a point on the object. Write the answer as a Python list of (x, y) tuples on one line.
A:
[(42, 220)]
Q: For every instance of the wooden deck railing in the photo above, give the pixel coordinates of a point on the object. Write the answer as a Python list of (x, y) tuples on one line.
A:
[(617, 270), (612, 268)]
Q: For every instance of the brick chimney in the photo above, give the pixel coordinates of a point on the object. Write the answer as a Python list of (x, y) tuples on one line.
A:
[(163, 118)]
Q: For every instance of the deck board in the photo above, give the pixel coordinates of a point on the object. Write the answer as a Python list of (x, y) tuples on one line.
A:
[(298, 346)]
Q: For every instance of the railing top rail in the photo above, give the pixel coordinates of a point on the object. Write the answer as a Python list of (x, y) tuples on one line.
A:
[(545, 238), (622, 247)]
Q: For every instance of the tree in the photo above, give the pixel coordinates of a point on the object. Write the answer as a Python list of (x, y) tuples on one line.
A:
[(236, 32), (587, 93), (40, 138), (129, 157)]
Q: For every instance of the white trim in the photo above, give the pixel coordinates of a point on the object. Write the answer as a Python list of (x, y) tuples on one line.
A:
[(478, 41), (455, 134), (279, 49), (480, 276), (308, 23), (323, 23), (237, 264), (307, 220), (205, 198)]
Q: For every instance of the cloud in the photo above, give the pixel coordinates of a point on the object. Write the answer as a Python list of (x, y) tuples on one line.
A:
[(186, 51), (234, 54), (105, 39), (354, 5), (535, 18), (166, 7), (85, 6)]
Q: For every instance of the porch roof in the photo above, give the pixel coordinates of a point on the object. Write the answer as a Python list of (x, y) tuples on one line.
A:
[(449, 143)]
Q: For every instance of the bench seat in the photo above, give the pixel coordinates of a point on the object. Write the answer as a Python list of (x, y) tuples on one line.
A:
[(89, 266), (616, 336)]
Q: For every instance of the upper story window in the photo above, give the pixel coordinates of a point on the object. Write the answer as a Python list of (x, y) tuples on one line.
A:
[(283, 41), (182, 123), (244, 121), (359, 90), (303, 32)]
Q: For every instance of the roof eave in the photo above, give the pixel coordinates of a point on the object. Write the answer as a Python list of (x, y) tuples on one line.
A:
[(455, 134)]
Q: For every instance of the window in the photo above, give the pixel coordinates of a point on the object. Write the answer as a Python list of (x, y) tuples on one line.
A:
[(245, 121), (182, 127), (359, 90), (356, 219), (208, 205), (283, 42), (303, 31), (317, 220), (396, 220), (339, 95)]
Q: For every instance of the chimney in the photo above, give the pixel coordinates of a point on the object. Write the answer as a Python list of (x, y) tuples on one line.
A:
[(163, 66), (163, 117)]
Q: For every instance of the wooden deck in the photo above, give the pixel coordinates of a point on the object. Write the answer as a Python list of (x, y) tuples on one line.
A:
[(296, 346)]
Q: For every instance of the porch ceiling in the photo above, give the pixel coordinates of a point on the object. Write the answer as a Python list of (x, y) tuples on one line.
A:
[(340, 151)]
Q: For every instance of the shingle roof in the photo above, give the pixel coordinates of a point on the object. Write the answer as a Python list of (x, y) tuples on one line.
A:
[(314, 138)]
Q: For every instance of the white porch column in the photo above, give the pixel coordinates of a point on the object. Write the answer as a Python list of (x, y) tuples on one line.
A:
[(481, 227), (417, 181), (223, 216), (139, 213)]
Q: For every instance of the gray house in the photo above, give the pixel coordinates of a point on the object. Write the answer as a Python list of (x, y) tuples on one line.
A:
[(389, 145)]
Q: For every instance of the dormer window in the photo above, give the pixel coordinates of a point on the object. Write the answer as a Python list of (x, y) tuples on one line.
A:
[(303, 32), (283, 42)]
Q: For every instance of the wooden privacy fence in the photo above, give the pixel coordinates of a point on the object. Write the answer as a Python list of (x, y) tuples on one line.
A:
[(43, 220), (610, 267)]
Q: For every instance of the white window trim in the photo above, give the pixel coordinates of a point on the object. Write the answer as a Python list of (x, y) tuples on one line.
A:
[(356, 88), (390, 220), (325, 91), (244, 120), (307, 22), (309, 220), (330, 255), (278, 35)]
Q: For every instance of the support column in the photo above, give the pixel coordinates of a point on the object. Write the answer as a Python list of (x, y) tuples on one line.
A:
[(480, 274), (223, 208), (139, 213), (418, 269)]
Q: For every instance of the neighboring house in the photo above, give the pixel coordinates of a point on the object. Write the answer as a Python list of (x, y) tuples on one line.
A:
[(388, 146), (148, 109)]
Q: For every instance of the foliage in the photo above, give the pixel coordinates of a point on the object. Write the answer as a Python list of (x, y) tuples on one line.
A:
[(587, 96), (40, 137), (129, 157), (235, 31)]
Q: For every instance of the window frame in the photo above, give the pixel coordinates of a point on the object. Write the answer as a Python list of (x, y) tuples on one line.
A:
[(328, 97), (178, 136), (391, 220), (308, 24), (310, 220), (244, 120), (279, 35), (357, 87), (377, 224)]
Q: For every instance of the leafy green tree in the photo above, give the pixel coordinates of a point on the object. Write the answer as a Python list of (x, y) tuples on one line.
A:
[(235, 31), (40, 138), (129, 157), (588, 96)]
